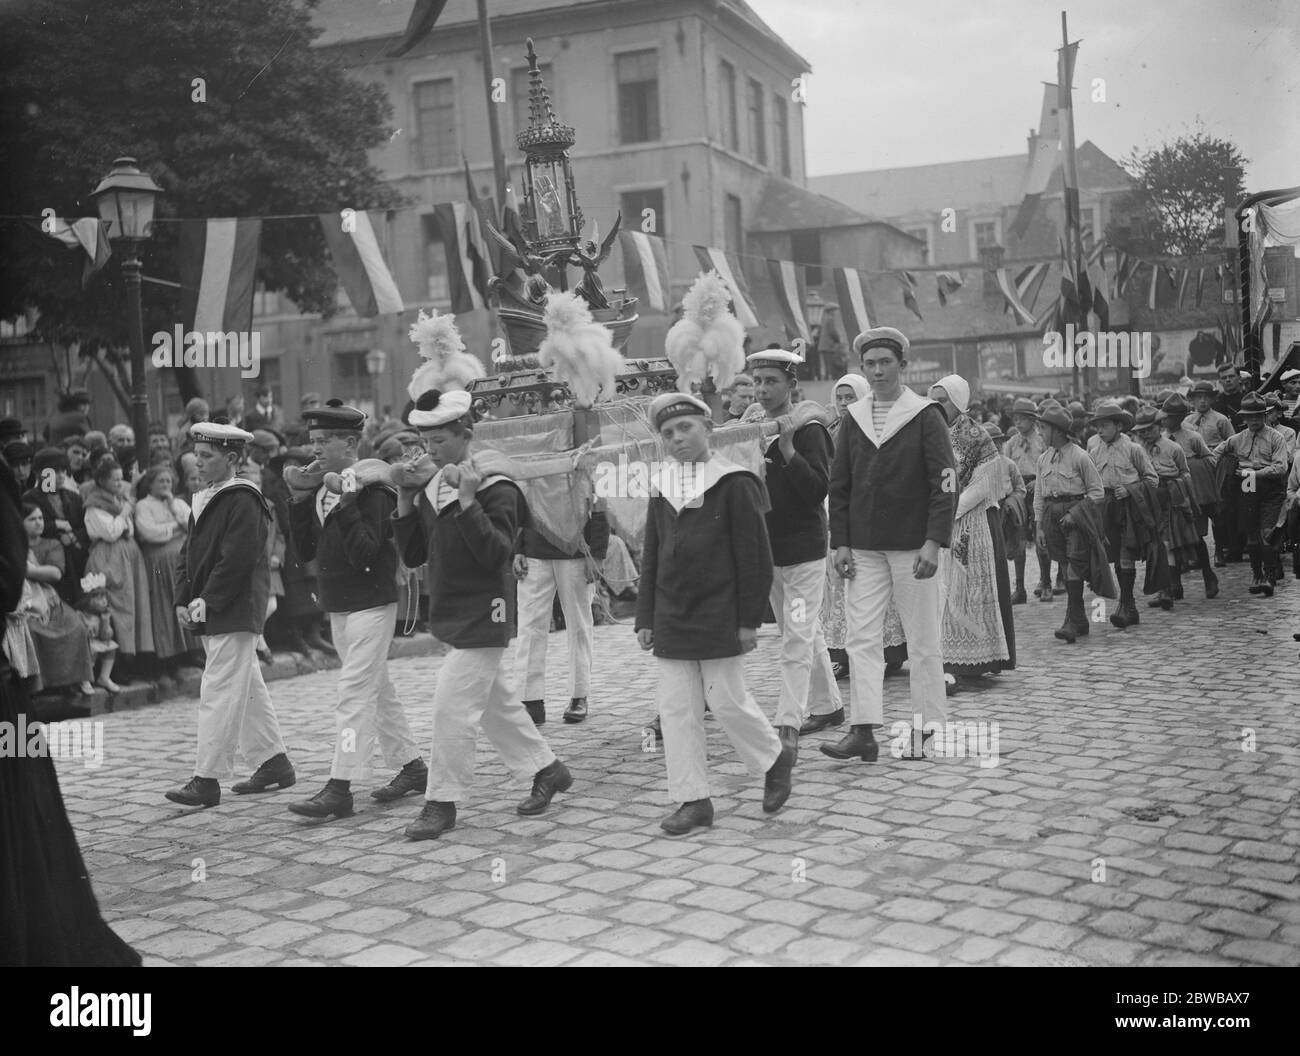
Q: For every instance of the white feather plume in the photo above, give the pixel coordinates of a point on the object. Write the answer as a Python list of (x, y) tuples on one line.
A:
[(579, 348), (447, 365), (708, 339)]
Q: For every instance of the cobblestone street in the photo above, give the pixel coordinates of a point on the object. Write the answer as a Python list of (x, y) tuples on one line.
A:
[(1142, 811)]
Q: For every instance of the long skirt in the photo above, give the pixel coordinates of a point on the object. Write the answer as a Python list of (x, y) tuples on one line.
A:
[(128, 593), (62, 644), (48, 913), (978, 636), (169, 637)]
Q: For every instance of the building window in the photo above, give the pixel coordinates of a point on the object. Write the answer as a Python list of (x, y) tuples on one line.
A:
[(266, 302), (1090, 220), (984, 233), (268, 378), (438, 287), (435, 124), (519, 92), (781, 116), (757, 123), (351, 381), (923, 233), (730, 119), (806, 248), (735, 230), (637, 73), (634, 204)]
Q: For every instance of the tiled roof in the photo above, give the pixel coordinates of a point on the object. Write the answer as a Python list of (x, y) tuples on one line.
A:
[(785, 206)]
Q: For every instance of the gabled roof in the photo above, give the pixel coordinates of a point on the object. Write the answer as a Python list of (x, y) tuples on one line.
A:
[(785, 206)]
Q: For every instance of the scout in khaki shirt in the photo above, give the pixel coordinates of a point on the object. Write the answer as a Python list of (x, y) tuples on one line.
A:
[(1204, 482)]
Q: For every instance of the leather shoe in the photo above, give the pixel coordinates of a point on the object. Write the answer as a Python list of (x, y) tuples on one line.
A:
[(577, 710), (332, 800), (413, 777), (697, 814), (776, 785), (789, 737), (197, 792), (1266, 588), (536, 711), (1211, 586), (822, 722), (857, 744), (1044, 591), (435, 819), (1019, 597), (554, 778), (276, 772)]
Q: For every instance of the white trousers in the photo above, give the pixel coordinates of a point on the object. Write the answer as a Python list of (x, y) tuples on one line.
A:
[(685, 686), (807, 680), (475, 688), (367, 703), (235, 708), (880, 576), (537, 592)]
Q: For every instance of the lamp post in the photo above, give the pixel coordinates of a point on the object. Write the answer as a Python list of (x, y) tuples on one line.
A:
[(125, 199), (814, 312), (376, 360)]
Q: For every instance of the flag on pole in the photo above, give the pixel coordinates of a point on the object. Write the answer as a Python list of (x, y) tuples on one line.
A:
[(1200, 285), (217, 260), (88, 233), (1029, 283), (645, 270), (785, 280), (908, 281), (1184, 275), (486, 208), (467, 255), (727, 265), (1043, 158), (854, 296), (947, 283), (359, 262), (423, 16), (1125, 268), (1012, 297)]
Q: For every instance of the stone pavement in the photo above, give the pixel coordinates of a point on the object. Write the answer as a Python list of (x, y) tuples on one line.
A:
[(1142, 811)]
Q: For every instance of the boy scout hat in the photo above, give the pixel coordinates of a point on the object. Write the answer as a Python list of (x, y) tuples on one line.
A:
[(335, 415), (1109, 409), (1175, 407), (1252, 404), (1024, 406), (882, 335), (1057, 416), (1147, 416), (1204, 387), (995, 432)]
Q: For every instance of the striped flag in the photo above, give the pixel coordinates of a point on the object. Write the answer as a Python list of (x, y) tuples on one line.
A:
[(785, 280), (1095, 265), (946, 284), (645, 270), (423, 16), (908, 281), (727, 265), (1029, 283), (1043, 157), (1200, 285), (467, 255), (1184, 276), (217, 260), (1125, 268), (360, 262), (88, 233), (1012, 297), (856, 308)]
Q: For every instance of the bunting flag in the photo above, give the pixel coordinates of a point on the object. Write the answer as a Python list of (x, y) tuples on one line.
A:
[(217, 260), (1012, 297), (948, 283), (423, 17), (1095, 265), (1200, 285), (1071, 303), (359, 262), (1162, 291), (1125, 268), (785, 280), (645, 270), (856, 308), (727, 265), (1184, 276), (1069, 175), (1043, 157), (1029, 283), (908, 281), (467, 255), (486, 208), (1049, 319), (88, 233)]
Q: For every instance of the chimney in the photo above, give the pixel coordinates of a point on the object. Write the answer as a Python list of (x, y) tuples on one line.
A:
[(990, 260)]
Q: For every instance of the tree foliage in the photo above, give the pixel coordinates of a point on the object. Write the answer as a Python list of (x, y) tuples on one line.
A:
[(1181, 190), (273, 127)]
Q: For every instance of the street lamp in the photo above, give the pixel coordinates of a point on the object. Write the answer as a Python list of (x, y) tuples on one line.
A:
[(814, 311), (376, 360), (552, 218), (125, 199)]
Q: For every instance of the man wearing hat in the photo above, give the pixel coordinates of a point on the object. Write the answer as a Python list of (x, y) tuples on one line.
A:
[(223, 581), (893, 499), (349, 535), (1273, 419), (1176, 524), (71, 419), (1290, 380), (706, 574), (1066, 477), (19, 455), (1257, 467), (797, 473), (1025, 447), (1203, 477), (464, 524), (1214, 429), (1124, 468)]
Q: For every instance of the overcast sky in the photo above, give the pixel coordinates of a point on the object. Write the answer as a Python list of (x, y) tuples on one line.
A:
[(925, 81)]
